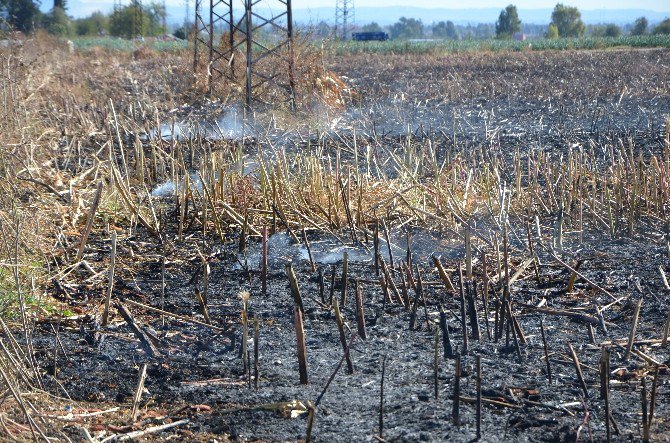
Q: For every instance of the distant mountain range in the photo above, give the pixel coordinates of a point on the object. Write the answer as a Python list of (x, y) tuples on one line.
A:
[(389, 15)]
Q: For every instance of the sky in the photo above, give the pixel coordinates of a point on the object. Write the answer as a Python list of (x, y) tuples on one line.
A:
[(654, 5), (80, 8)]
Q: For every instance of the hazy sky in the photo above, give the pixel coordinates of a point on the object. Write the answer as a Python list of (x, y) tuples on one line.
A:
[(654, 5), (79, 8)]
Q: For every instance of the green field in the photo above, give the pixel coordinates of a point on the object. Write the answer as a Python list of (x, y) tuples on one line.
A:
[(450, 46)]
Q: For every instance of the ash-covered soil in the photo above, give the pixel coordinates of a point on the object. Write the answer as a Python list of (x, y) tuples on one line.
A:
[(198, 366)]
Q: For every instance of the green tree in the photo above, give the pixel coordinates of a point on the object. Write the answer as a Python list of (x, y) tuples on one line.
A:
[(94, 24), (445, 30), (552, 32), (323, 29), (372, 27), (568, 20), (662, 28), (508, 22), (407, 28), (57, 22), (136, 20), (60, 4), (22, 15), (640, 26), (612, 30)]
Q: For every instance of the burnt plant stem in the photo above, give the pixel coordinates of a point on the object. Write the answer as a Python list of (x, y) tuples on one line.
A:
[(446, 339), (138, 393), (360, 313), (310, 422), (89, 223), (472, 308), (421, 294), (605, 388), (345, 277), (479, 396), (264, 261), (485, 295), (390, 283), (302, 348), (511, 325), (375, 240), (295, 289), (381, 399), (666, 331), (345, 355), (343, 339), (652, 401), (464, 328), (388, 244), (110, 281), (546, 350), (202, 303), (468, 253), (256, 359), (645, 412), (573, 276), (436, 362), (444, 276), (322, 287), (578, 369), (455, 411), (309, 250), (633, 329)]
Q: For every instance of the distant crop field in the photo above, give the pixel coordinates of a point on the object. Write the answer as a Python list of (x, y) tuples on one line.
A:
[(120, 44), (450, 46)]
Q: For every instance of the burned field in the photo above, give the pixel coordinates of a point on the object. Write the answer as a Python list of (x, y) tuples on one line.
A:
[(459, 247)]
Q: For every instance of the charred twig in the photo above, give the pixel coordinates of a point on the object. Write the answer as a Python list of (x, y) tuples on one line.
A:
[(176, 316), (148, 344)]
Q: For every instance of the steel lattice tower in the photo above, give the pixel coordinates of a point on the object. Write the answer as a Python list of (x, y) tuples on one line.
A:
[(344, 18), (239, 43)]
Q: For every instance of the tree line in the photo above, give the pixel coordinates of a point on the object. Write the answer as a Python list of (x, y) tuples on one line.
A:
[(136, 19), (132, 20), (566, 21)]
